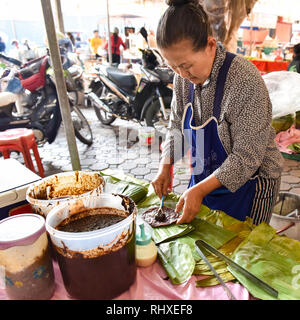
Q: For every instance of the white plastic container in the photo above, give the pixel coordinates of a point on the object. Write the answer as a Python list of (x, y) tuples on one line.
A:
[(25, 258), (146, 136), (98, 264), (59, 183)]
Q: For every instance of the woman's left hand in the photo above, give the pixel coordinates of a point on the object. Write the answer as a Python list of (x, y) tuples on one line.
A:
[(190, 201)]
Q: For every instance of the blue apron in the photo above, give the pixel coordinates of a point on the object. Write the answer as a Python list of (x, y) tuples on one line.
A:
[(208, 154)]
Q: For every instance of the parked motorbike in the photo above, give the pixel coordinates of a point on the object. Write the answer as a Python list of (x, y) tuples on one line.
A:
[(35, 90), (116, 94)]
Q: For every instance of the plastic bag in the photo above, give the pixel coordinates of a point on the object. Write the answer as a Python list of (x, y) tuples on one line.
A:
[(284, 91)]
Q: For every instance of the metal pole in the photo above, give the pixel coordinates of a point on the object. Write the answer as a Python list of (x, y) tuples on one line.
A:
[(59, 16), (60, 83), (108, 30), (13, 26)]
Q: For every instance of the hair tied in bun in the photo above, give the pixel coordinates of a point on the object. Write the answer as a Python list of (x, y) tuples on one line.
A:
[(175, 3)]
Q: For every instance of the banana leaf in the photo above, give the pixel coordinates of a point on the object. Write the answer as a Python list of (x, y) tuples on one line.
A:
[(128, 188), (153, 200), (259, 255), (213, 234), (173, 231), (177, 260), (120, 175), (203, 269), (213, 281), (295, 147)]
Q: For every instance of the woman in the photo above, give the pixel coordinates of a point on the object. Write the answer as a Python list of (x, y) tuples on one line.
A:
[(116, 42), (222, 109)]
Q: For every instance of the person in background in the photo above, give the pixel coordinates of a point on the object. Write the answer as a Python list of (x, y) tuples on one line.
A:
[(116, 42), (96, 42), (71, 37), (221, 111), (2, 45), (15, 52), (295, 63)]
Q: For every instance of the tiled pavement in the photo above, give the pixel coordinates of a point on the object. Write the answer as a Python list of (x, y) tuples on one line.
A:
[(117, 147)]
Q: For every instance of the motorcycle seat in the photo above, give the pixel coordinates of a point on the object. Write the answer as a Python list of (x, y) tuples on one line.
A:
[(74, 72), (7, 98), (122, 79)]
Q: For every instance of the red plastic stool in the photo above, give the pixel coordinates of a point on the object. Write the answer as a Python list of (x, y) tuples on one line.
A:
[(22, 140)]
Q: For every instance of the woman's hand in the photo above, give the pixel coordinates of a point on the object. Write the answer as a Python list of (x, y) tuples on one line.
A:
[(191, 199), (190, 202), (161, 183)]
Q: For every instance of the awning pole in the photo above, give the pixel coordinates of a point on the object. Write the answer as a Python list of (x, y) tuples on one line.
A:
[(60, 83), (59, 17), (108, 30)]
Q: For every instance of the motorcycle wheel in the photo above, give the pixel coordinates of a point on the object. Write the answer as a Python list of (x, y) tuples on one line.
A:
[(104, 117), (153, 116), (83, 131)]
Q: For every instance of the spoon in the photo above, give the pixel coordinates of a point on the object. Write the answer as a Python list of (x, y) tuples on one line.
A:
[(160, 216)]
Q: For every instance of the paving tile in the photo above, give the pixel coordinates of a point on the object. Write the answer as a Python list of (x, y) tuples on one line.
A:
[(128, 165), (99, 166), (285, 186), (291, 163), (140, 171), (295, 190), (150, 176), (290, 179), (180, 189), (115, 160), (87, 162), (295, 172)]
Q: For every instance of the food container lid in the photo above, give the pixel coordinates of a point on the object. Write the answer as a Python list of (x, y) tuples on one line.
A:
[(21, 230), (143, 238)]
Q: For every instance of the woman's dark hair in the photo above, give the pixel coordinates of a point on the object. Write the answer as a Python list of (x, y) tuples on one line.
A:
[(184, 19), (296, 49)]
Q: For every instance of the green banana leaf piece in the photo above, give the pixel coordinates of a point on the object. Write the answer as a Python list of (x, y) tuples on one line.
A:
[(120, 175), (213, 281), (202, 269), (177, 260), (286, 247), (213, 234), (130, 189), (153, 200), (259, 255), (295, 147), (173, 231)]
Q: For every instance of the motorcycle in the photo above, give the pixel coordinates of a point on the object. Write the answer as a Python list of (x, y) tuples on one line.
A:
[(115, 93), (32, 102)]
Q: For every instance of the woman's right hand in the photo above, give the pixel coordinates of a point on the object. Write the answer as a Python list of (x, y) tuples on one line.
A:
[(161, 183)]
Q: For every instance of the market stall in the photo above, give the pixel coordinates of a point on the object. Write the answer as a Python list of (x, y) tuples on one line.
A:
[(266, 66), (180, 274)]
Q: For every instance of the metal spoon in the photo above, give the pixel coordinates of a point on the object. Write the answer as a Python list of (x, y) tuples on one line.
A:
[(160, 216)]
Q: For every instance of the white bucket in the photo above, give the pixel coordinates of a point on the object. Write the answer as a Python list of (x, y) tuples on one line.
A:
[(98, 264), (36, 194), (146, 136)]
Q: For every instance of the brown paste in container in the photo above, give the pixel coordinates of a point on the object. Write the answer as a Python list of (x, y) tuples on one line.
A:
[(100, 273)]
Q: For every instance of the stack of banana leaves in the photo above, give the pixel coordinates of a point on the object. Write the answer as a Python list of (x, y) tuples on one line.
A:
[(273, 258)]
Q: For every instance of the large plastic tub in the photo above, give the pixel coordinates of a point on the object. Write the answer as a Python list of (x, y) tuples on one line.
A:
[(98, 264), (59, 188), (286, 215)]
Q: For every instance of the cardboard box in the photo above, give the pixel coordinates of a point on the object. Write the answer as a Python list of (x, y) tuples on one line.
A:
[(15, 179)]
